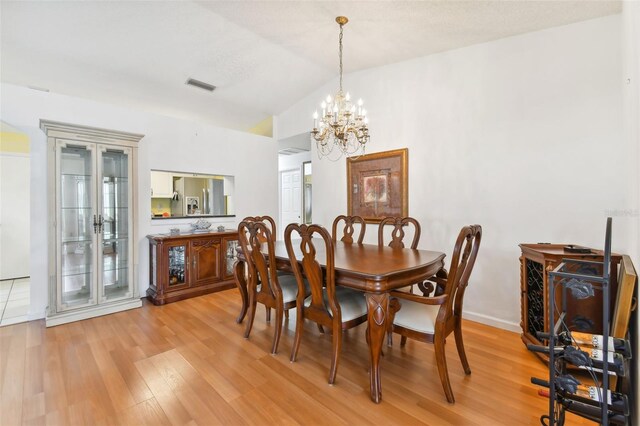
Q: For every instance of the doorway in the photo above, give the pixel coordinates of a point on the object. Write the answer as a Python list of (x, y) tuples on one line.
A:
[(15, 196), (291, 198)]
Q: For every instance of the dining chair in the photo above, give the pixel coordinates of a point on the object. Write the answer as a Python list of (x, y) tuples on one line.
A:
[(432, 319), (268, 220), (398, 233), (264, 285), (271, 224), (348, 229), (397, 241), (335, 307)]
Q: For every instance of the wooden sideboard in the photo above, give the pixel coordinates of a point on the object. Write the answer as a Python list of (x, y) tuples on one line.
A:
[(582, 315), (190, 264)]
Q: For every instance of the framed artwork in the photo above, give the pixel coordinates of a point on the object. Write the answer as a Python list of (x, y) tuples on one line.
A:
[(377, 185)]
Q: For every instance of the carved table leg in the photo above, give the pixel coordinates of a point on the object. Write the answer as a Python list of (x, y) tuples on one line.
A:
[(378, 308), (241, 282)]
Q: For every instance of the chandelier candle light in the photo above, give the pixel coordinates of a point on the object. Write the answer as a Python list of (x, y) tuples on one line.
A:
[(343, 125)]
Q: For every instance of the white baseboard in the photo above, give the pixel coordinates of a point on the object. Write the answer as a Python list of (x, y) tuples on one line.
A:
[(82, 314), (492, 321)]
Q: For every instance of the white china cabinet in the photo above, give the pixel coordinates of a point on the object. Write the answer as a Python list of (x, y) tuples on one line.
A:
[(92, 222)]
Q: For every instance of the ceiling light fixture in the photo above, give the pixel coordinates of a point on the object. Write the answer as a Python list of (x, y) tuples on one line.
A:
[(342, 129)]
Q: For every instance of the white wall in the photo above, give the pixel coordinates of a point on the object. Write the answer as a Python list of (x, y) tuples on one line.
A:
[(169, 144), (631, 93), (288, 162), (522, 135)]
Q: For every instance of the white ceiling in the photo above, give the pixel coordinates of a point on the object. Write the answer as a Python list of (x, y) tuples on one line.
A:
[(262, 55)]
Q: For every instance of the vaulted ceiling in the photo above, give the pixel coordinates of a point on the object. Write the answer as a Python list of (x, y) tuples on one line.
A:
[(263, 56)]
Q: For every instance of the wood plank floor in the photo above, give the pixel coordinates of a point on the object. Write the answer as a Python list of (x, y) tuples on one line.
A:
[(187, 363)]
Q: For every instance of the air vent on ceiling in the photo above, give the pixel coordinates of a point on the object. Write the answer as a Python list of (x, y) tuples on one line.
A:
[(291, 151), (201, 85)]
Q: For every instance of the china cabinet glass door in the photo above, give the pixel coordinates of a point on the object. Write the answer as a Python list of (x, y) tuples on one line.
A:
[(114, 219), (178, 262), (231, 255), (75, 216)]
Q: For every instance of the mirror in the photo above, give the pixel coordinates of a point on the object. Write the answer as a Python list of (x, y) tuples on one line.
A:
[(179, 194)]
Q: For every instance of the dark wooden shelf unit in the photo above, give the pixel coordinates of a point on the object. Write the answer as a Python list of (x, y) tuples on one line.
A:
[(189, 265), (584, 315)]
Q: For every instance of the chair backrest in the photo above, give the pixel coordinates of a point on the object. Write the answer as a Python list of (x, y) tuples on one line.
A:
[(348, 230), (268, 220), (257, 244), (398, 233), (464, 257), (304, 264)]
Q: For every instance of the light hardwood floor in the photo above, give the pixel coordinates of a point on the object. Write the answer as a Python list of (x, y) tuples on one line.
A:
[(187, 363)]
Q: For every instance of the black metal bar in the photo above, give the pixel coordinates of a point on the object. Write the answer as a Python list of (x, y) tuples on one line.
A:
[(606, 264), (552, 361)]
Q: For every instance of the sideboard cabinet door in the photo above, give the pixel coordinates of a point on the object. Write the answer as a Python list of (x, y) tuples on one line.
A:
[(205, 261)]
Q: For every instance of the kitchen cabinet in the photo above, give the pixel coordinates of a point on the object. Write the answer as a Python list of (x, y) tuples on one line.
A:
[(93, 256), (191, 264), (161, 184)]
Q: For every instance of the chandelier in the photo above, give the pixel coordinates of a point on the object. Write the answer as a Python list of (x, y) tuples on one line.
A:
[(342, 128)]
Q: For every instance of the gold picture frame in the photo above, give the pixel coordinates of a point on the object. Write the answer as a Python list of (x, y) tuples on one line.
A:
[(377, 185)]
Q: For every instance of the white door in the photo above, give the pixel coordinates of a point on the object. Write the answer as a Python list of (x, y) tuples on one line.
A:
[(291, 201)]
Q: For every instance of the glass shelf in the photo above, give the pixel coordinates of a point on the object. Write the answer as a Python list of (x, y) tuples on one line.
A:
[(109, 239), (80, 271), (75, 240), (115, 268), (75, 175)]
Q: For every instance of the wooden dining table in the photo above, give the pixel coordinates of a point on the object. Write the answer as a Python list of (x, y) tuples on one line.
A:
[(372, 269)]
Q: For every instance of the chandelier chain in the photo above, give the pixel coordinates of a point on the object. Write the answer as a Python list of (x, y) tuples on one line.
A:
[(340, 57)]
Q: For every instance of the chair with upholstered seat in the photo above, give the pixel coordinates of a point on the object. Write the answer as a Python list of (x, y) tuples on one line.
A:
[(348, 229), (271, 225), (264, 284), (397, 241), (337, 308), (432, 319)]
